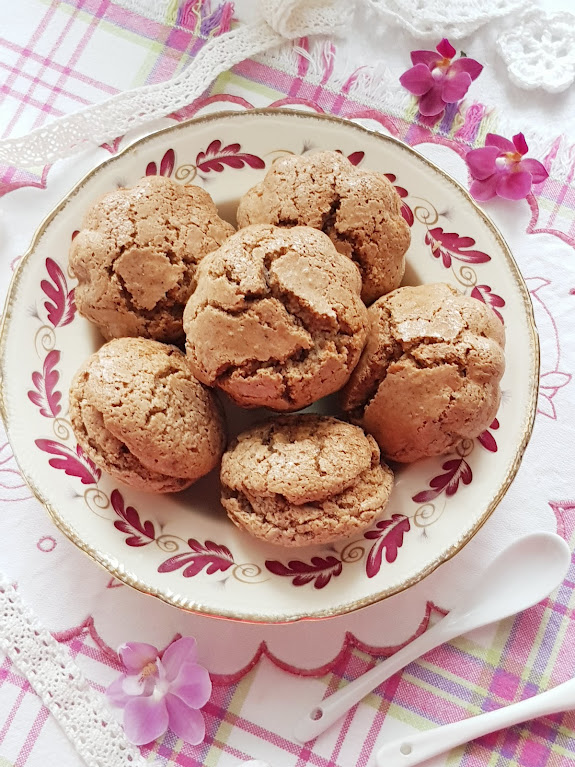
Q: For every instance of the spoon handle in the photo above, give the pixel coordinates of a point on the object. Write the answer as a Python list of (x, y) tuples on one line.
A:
[(411, 750), (318, 719)]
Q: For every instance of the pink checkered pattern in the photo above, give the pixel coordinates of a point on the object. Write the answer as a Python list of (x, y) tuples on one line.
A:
[(61, 56)]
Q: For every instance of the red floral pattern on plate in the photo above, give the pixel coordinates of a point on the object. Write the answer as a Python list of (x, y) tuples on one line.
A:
[(138, 534), (449, 246), (486, 438), (46, 397), (455, 470), (215, 158), (319, 571), (487, 296), (388, 534), (212, 556), (75, 463), (406, 211), (167, 165), (60, 306)]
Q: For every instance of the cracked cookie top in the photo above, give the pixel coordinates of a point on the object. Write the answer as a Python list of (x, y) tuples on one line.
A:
[(276, 319), (140, 414), (430, 371), (304, 479), (358, 209), (136, 255)]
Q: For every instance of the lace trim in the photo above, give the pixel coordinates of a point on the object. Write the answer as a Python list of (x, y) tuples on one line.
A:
[(444, 18), (82, 713), (125, 111)]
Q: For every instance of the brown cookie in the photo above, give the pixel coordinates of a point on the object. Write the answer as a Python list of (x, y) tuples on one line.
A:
[(305, 479), (140, 415), (276, 319), (136, 255), (358, 209), (430, 371)]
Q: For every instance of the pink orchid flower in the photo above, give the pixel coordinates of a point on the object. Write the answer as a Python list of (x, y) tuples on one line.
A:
[(500, 168), (438, 80), (156, 693)]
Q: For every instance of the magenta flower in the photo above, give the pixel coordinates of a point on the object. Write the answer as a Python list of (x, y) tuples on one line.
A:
[(499, 168), (156, 693), (438, 80)]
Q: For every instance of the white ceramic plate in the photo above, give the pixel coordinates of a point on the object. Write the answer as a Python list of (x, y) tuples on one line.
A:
[(182, 548)]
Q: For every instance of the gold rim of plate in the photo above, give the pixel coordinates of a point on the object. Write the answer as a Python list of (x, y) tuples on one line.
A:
[(112, 565)]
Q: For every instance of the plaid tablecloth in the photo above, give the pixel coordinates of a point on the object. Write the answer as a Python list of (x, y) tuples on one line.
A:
[(58, 56)]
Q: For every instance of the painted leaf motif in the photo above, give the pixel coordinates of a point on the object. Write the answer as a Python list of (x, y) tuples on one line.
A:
[(319, 571), (167, 164), (138, 534), (73, 463), (60, 307), (388, 534), (448, 245), (214, 557), (487, 439), (215, 158), (89, 462), (406, 211), (456, 470), (485, 294), (356, 157), (46, 397)]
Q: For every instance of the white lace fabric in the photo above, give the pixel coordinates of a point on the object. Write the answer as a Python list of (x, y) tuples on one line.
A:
[(281, 20), (82, 713), (453, 19), (539, 51)]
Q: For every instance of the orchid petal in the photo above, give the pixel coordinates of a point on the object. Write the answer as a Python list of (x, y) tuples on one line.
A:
[(428, 58), (486, 189), (145, 719), (514, 186), (134, 684), (193, 685), (520, 144), (446, 49), (492, 139), (481, 162), (537, 170), (184, 650), (418, 80), (454, 88), (115, 692), (431, 103), (465, 64), (187, 723), (136, 655)]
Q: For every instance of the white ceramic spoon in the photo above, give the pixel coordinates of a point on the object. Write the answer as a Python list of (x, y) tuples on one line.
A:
[(408, 751), (523, 574)]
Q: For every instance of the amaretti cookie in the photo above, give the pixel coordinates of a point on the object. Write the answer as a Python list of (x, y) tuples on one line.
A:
[(276, 319), (136, 254), (141, 416), (429, 374), (358, 209), (304, 479)]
